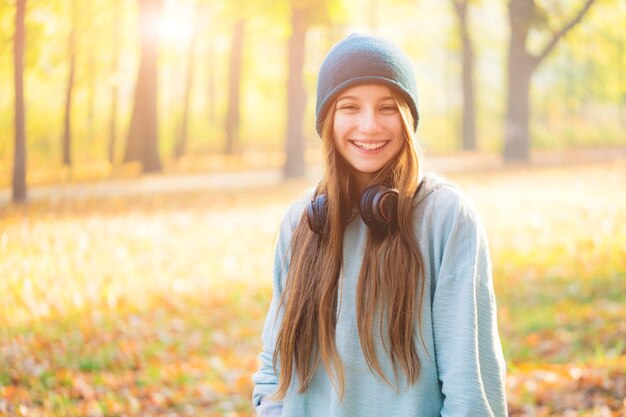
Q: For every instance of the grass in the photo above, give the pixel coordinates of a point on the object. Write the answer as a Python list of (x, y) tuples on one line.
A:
[(153, 305)]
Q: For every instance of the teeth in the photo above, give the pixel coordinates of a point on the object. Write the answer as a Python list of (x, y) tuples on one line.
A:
[(370, 146)]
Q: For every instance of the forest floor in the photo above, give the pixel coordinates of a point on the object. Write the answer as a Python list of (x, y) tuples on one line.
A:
[(151, 303), (259, 174)]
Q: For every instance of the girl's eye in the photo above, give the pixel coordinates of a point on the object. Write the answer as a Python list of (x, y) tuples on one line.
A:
[(348, 107), (390, 108)]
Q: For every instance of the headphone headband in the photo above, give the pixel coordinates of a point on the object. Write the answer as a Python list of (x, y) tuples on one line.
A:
[(377, 206)]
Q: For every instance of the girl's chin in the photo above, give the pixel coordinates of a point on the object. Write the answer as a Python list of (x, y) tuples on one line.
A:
[(368, 167), (365, 171)]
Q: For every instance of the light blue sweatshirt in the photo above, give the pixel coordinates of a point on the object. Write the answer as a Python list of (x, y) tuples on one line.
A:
[(462, 366)]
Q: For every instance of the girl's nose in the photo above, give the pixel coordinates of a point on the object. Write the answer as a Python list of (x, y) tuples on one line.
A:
[(369, 122)]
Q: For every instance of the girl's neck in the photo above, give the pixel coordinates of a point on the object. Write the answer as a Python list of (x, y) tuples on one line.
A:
[(362, 180)]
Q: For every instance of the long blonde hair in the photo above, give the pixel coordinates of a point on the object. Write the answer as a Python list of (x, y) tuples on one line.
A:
[(390, 282)]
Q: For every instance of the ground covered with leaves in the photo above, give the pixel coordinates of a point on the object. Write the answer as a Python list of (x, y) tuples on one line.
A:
[(153, 306)]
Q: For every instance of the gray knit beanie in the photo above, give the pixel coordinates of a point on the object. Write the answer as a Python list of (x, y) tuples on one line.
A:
[(360, 59)]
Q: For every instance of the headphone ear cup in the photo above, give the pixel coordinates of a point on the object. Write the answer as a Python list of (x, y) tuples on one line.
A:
[(316, 214), (378, 206), (365, 204)]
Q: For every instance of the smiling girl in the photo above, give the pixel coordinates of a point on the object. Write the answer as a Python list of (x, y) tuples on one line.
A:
[(383, 302)]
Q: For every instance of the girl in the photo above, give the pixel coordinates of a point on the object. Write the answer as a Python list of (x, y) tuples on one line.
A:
[(383, 301)]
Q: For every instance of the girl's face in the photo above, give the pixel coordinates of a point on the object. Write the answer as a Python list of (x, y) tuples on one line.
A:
[(368, 130)]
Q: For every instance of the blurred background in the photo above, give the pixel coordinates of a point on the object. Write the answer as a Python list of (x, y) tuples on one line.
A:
[(209, 79), (149, 148)]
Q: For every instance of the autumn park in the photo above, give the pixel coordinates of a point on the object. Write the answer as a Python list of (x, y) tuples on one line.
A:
[(150, 148)]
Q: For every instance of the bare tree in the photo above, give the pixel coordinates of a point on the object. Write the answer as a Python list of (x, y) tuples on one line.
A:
[(116, 35), (142, 143), (181, 142), (90, 70), (521, 66), (296, 96), (232, 114), (468, 129), (211, 90), (19, 160), (67, 117), (373, 11), (304, 15)]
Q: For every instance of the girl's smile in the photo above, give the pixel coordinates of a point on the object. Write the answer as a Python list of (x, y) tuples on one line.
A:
[(367, 130), (369, 146)]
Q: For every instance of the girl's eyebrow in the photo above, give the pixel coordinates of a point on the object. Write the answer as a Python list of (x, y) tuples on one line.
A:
[(347, 98)]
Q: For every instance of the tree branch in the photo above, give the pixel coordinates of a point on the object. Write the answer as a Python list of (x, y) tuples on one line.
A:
[(538, 58), (459, 6)]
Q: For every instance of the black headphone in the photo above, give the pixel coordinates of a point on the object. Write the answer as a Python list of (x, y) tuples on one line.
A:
[(378, 206)]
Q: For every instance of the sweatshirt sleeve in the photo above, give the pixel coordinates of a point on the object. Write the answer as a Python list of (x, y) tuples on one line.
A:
[(467, 345), (266, 378)]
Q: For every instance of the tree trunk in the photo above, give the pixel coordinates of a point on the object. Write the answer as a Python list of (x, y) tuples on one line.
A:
[(516, 129), (469, 119), (142, 143), (521, 67), (19, 160), (516, 135), (211, 66), (113, 124), (181, 143), (373, 11), (117, 15), (296, 98), (232, 115), (90, 69), (621, 109), (67, 117)]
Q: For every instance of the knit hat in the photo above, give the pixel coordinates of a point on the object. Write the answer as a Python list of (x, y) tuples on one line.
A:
[(361, 59)]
